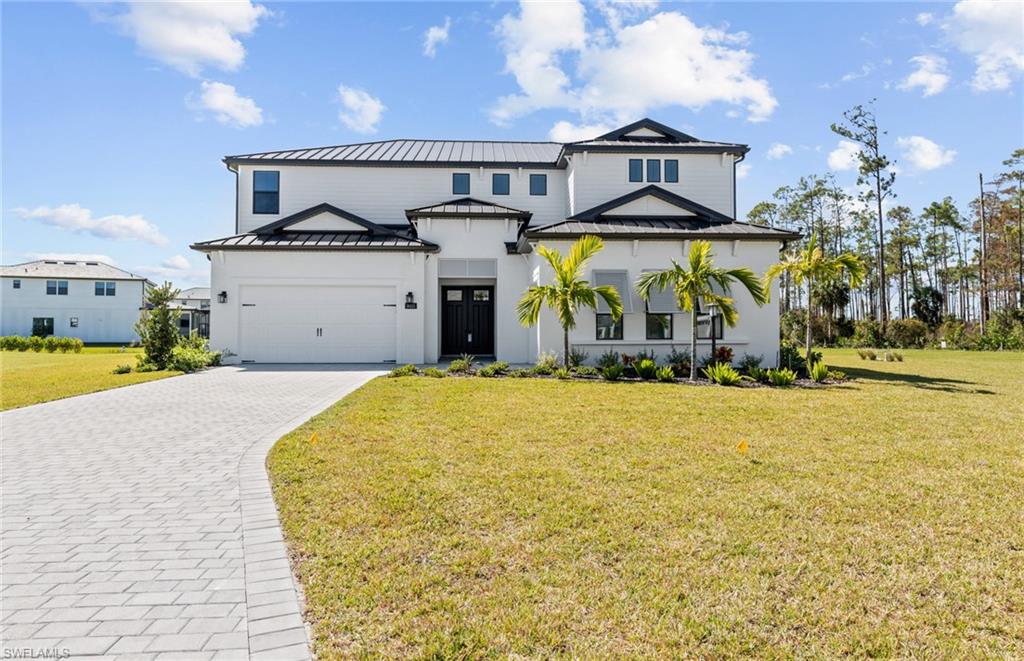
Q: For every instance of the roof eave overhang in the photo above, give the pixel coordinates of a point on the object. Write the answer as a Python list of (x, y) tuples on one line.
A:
[(497, 165), (650, 147), (660, 236), (206, 248)]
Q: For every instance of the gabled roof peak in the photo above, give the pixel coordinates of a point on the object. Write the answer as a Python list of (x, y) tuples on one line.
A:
[(642, 130)]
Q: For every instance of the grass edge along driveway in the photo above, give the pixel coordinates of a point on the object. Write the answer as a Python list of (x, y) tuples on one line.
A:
[(32, 378), (488, 518)]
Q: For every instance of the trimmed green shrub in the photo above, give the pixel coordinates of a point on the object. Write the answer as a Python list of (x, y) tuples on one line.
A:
[(494, 369), (462, 365), (907, 333), (35, 343), (542, 370), (781, 377), (666, 374), (192, 354), (404, 370), (613, 372), (867, 333), (122, 369), (433, 373), (51, 343), (646, 369), (819, 371), (866, 354), (722, 373)]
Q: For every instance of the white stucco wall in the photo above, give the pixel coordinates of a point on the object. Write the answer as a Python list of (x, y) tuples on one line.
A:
[(756, 333), (100, 318)]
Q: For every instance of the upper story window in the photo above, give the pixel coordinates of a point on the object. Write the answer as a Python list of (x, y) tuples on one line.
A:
[(460, 183), (266, 191), (653, 170), (56, 287), (106, 289), (17, 284), (499, 184), (538, 184), (671, 171), (636, 169)]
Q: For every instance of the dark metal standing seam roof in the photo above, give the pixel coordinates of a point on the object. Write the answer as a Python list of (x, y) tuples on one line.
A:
[(418, 152), (317, 241), (467, 206), (652, 227)]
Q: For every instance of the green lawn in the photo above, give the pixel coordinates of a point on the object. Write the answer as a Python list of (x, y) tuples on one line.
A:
[(29, 378), (468, 518)]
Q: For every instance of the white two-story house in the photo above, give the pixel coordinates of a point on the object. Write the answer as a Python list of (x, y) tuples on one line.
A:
[(92, 301), (416, 250)]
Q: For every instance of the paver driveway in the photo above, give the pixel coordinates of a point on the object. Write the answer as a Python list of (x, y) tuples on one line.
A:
[(138, 522)]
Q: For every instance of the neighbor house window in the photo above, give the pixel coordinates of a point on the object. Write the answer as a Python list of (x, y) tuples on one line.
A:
[(106, 288), (266, 191), (56, 287), (636, 169), (499, 184), (73, 321), (653, 170), (538, 184), (17, 284), (42, 326), (659, 326), (672, 171), (607, 328), (460, 183)]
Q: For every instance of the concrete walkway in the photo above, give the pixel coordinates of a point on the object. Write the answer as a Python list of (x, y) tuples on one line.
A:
[(138, 522)]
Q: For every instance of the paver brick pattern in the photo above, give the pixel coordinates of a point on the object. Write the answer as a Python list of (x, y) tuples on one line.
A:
[(138, 522)]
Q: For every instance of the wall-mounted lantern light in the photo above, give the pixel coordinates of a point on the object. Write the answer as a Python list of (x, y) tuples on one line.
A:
[(410, 301), (222, 297)]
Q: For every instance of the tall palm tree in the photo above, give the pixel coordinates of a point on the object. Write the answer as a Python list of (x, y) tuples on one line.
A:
[(698, 283), (812, 264), (569, 291)]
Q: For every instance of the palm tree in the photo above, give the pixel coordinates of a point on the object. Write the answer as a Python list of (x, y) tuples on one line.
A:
[(698, 283), (569, 290), (812, 264)]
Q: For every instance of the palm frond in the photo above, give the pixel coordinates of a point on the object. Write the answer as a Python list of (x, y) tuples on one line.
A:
[(611, 298)]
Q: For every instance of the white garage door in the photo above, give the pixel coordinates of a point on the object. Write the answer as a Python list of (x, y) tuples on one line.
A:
[(318, 324)]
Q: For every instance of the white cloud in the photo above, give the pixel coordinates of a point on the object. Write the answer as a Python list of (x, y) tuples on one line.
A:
[(176, 262), (70, 257), (190, 36), (227, 105), (924, 154), (844, 156), (361, 112), (930, 75), (435, 36), (75, 218), (742, 170), (176, 269), (623, 71), (993, 34), (779, 150), (924, 18), (564, 131)]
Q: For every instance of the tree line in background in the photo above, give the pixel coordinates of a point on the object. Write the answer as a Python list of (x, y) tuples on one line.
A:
[(942, 273)]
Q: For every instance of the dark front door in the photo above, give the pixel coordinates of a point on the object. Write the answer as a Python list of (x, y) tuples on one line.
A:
[(467, 321)]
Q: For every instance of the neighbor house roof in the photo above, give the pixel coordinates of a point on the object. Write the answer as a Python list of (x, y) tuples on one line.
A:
[(467, 206), (69, 269), (647, 135), (194, 293)]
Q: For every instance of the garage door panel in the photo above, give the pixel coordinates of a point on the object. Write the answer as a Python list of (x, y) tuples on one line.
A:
[(357, 324)]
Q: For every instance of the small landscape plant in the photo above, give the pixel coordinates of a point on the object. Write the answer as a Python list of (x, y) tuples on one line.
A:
[(577, 357), (122, 369), (607, 359), (462, 365), (433, 373), (563, 373), (666, 374), (520, 373), (192, 354), (585, 370), (679, 361), (494, 369), (723, 374), (613, 372), (404, 370), (837, 375), (781, 377), (646, 369), (748, 363), (866, 354), (819, 371), (758, 374)]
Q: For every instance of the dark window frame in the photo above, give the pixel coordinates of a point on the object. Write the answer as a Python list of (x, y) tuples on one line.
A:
[(639, 178), (620, 325), (40, 329), (653, 168), (674, 178), (499, 176), (543, 179), (111, 288), (671, 325), (16, 284), (457, 176), (258, 193), (51, 287), (62, 288), (72, 322)]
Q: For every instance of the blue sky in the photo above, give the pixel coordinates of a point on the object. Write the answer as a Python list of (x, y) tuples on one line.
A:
[(116, 116)]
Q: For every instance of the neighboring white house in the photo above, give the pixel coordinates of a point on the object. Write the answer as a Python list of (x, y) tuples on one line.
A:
[(193, 306), (413, 250), (89, 300)]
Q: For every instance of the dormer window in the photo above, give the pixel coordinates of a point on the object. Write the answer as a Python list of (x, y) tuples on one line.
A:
[(266, 191)]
